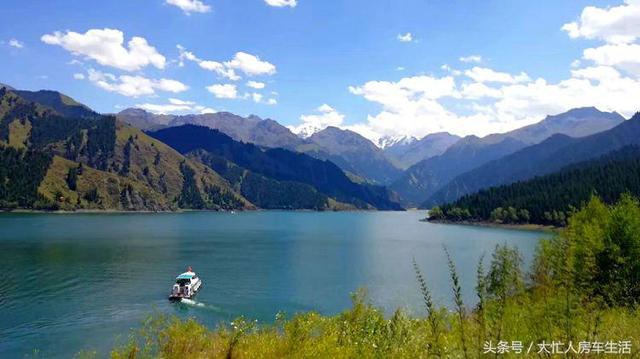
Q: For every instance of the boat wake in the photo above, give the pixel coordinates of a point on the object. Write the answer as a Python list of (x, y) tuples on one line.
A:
[(193, 303)]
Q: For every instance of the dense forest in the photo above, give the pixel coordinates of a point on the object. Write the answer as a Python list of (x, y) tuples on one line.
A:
[(20, 175), (262, 191), (550, 199)]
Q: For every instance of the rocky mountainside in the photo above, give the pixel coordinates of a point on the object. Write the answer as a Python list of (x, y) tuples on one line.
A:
[(407, 153), (351, 152), (425, 178)]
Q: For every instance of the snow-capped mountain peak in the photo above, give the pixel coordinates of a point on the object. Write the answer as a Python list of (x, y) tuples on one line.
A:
[(389, 141)]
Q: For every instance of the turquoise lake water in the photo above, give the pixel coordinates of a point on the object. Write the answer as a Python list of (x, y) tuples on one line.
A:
[(81, 281)]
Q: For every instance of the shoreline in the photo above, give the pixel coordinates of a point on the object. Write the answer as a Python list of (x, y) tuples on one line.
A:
[(114, 211), (521, 227)]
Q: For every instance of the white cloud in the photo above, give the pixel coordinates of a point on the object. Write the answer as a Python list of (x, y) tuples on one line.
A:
[(208, 65), (447, 68), (456, 107), (396, 95), (400, 68), (256, 85), (483, 74), (105, 46), (260, 98), (406, 106), (227, 91), (618, 24), (220, 69), (175, 106), (78, 76), (471, 58), (326, 116), (251, 65), (178, 102), (478, 90), (407, 37), (257, 98), (163, 109), (281, 3), (186, 55), (487, 101), (134, 86), (622, 56), (189, 6), (15, 43)]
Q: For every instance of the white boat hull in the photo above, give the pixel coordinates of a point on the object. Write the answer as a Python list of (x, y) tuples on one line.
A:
[(184, 293)]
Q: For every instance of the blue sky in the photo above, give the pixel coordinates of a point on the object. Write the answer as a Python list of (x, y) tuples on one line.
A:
[(330, 62)]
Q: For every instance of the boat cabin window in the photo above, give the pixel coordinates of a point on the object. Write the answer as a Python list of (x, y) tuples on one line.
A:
[(183, 281)]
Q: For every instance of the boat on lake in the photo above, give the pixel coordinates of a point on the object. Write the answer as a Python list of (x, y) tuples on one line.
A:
[(186, 287)]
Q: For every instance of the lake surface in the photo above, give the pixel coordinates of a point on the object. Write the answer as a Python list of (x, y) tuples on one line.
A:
[(80, 281)]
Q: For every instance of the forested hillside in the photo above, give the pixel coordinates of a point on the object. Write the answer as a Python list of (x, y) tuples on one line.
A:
[(277, 164), (263, 191), (88, 161), (546, 157), (425, 178), (350, 151), (550, 199)]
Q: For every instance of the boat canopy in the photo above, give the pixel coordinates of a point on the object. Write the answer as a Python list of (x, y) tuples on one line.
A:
[(186, 275)]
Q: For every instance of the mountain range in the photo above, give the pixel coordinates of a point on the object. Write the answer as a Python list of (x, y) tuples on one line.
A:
[(427, 177), (58, 154), (275, 163), (407, 153), (353, 153), (80, 159), (546, 157)]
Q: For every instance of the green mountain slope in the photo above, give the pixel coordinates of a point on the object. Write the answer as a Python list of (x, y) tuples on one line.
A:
[(59, 102), (549, 199), (263, 191), (108, 164), (278, 164), (548, 156)]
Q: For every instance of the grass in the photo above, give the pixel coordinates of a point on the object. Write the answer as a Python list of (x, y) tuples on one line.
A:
[(19, 133), (364, 332)]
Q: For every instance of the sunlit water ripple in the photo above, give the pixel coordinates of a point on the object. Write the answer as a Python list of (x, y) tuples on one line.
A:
[(82, 281)]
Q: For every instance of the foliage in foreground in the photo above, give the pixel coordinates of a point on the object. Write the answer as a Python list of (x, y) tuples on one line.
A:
[(583, 287)]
